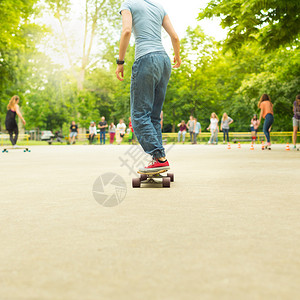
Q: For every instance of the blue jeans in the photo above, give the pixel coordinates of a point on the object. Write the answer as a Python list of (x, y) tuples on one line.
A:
[(183, 133), (225, 133), (149, 80), (102, 137), (269, 119)]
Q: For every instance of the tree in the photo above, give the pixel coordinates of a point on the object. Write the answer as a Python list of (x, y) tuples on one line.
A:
[(272, 23), (99, 20), (19, 36)]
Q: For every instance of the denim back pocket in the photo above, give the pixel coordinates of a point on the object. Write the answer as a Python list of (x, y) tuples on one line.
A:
[(134, 70)]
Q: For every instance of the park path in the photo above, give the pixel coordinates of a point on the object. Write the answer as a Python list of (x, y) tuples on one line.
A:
[(228, 228)]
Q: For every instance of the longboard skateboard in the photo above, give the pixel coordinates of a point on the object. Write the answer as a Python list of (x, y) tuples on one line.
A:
[(25, 149), (153, 178)]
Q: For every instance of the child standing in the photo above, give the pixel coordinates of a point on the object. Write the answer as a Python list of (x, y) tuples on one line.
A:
[(112, 132), (182, 131), (254, 128)]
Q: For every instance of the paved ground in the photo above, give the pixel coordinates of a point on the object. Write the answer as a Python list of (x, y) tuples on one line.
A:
[(229, 227)]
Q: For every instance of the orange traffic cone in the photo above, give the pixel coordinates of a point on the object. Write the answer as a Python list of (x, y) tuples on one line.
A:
[(252, 147), (228, 146), (262, 145), (239, 145), (287, 148)]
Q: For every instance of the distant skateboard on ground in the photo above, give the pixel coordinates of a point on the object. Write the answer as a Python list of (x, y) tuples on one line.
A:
[(153, 178), (25, 149)]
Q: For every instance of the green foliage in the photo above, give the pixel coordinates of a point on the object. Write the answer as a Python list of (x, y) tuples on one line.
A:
[(213, 81), (272, 23), (18, 39), (209, 80)]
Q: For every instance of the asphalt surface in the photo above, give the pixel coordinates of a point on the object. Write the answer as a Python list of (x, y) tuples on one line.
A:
[(72, 227)]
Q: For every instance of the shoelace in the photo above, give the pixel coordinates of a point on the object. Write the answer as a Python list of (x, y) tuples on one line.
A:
[(152, 162)]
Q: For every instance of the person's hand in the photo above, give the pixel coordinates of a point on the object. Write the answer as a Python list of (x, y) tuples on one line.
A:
[(120, 71), (177, 62), (24, 122), (207, 128)]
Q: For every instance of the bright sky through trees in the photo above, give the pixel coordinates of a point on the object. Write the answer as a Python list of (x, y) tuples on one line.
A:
[(182, 16)]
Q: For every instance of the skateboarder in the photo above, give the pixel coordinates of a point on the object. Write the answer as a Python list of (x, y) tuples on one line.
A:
[(150, 72), (266, 112), (10, 120)]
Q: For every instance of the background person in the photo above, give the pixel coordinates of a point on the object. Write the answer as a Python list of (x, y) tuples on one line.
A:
[(191, 128), (254, 127), (197, 130), (182, 131), (92, 132), (112, 132), (266, 112), (73, 132), (121, 127), (214, 128), (226, 121), (150, 73), (131, 138), (296, 119), (102, 125), (10, 120)]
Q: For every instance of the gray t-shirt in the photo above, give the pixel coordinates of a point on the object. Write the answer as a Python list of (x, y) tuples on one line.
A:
[(225, 124), (147, 19), (296, 111)]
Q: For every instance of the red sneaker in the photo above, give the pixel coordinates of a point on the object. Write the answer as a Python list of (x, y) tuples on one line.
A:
[(155, 166)]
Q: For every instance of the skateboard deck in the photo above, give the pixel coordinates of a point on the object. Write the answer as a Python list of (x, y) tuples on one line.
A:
[(153, 178), (25, 149)]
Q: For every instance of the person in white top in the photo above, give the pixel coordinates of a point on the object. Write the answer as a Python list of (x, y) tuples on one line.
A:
[(214, 128), (92, 131), (121, 129)]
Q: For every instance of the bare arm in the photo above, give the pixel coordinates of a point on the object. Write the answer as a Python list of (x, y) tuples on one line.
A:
[(167, 25), (19, 114), (124, 42)]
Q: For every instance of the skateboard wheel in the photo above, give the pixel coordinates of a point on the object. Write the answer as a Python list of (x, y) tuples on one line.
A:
[(136, 182), (166, 182), (24, 150), (171, 176), (143, 177)]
